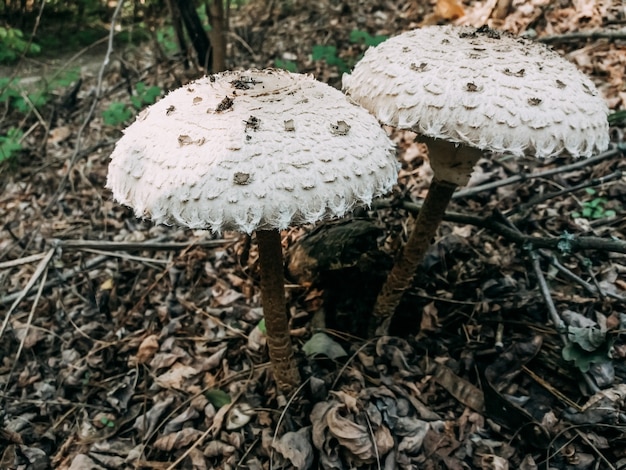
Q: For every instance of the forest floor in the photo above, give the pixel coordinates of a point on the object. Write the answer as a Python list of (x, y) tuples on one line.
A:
[(132, 346)]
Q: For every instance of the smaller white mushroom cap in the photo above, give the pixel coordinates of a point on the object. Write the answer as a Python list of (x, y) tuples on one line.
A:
[(251, 150), (482, 88)]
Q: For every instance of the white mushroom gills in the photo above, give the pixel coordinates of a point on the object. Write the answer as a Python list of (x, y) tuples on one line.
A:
[(251, 150)]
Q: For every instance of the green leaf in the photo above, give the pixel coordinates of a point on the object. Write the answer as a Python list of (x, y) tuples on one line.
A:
[(363, 37), (583, 359), (616, 117), (261, 326), (288, 65), (217, 397), (588, 338), (10, 143), (324, 53), (117, 113), (322, 344)]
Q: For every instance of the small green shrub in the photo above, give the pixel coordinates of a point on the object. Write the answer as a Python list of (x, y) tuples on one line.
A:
[(363, 37), (118, 113), (22, 100), (166, 37), (288, 65), (10, 143), (329, 53), (13, 44), (145, 95), (594, 208)]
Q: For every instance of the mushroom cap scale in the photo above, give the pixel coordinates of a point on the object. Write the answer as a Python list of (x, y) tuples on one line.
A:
[(259, 149), (481, 88)]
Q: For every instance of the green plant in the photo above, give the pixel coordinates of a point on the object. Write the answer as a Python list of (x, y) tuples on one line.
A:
[(288, 65), (118, 113), (166, 37), (617, 117), (145, 95), (329, 53), (13, 44), (22, 100), (10, 143), (594, 208), (363, 37)]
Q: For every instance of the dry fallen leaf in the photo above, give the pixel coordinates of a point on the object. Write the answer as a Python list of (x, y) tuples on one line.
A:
[(296, 447), (147, 349), (449, 9), (175, 376), (176, 440)]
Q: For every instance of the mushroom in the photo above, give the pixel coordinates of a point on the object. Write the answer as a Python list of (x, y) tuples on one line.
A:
[(259, 150), (467, 91)]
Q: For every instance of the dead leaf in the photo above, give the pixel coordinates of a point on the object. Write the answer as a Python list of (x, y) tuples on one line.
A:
[(147, 349), (459, 388), (176, 376), (177, 440), (296, 447), (216, 448), (239, 416), (449, 9), (59, 134), (493, 462)]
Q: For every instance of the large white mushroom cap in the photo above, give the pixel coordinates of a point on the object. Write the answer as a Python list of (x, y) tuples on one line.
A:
[(251, 150), (482, 88)]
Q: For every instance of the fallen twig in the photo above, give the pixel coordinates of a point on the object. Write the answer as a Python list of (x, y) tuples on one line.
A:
[(61, 278), (570, 243), (578, 164), (590, 288), (132, 246), (593, 34), (18, 296)]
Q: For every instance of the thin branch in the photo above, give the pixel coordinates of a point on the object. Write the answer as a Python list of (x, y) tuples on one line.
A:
[(570, 243), (594, 182), (60, 279), (133, 246), (593, 34), (582, 163), (18, 296), (590, 288)]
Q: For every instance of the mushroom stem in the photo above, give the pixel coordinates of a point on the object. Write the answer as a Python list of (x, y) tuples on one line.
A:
[(407, 262), (452, 165), (275, 310)]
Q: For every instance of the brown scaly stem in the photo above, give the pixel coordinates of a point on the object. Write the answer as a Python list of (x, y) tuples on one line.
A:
[(407, 263), (275, 310)]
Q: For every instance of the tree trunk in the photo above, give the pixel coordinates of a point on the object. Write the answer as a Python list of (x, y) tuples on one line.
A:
[(178, 30), (215, 13), (198, 37)]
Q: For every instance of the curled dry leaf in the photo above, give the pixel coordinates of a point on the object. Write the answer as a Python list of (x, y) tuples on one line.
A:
[(296, 448), (177, 440), (218, 448), (239, 416), (147, 349), (147, 422), (176, 376), (331, 421)]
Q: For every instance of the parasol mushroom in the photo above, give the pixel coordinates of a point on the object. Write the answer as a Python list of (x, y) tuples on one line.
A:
[(467, 91), (258, 151)]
